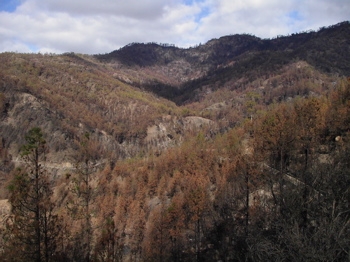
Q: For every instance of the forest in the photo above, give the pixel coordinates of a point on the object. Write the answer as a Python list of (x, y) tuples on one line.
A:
[(246, 162), (273, 189)]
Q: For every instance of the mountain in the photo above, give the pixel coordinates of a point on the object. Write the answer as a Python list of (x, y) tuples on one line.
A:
[(228, 147), (122, 96), (181, 71)]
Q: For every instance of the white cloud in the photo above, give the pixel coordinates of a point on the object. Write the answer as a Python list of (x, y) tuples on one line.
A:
[(15, 46), (144, 10), (90, 26), (324, 12)]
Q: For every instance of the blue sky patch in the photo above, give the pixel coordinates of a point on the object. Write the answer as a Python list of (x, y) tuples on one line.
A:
[(9, 5), (33, 48), (204, 12), (295, 15)]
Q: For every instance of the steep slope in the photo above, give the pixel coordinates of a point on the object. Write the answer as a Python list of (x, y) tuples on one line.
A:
[(327, 51), (179, 74), (69, 95)]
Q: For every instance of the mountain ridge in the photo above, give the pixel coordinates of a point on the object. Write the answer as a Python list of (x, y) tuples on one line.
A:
[(237, 44), (238, 54)]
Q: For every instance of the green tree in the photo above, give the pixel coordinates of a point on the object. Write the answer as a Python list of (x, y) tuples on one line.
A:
[(33, 227), (251, 104)]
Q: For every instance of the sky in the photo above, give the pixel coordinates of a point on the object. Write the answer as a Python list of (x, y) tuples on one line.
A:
[(101, 26)]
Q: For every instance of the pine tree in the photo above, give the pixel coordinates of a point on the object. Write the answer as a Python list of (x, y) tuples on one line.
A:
[(32, 227)]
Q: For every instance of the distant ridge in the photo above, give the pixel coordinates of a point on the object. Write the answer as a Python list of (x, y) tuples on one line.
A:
[(219, 51)]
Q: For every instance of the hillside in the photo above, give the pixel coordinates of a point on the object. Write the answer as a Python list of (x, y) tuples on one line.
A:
[(181, 72), (70, 95), (117, 96), (234, 150)]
